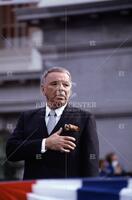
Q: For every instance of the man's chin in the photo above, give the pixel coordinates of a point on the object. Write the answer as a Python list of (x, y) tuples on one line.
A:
[(58, 103)]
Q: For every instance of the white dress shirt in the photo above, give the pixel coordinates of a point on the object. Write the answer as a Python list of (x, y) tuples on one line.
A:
[(58, 112)]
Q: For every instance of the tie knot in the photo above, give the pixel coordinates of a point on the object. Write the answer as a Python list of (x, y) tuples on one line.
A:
[(52, 113)]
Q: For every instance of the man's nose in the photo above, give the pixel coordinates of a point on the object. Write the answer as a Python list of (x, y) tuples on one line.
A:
[(60, 86)]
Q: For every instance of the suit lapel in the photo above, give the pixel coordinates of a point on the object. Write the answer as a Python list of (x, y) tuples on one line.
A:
[(42, 124), (67, 117)]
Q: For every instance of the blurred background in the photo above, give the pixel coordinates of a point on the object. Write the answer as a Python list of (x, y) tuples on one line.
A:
[(93, 40)]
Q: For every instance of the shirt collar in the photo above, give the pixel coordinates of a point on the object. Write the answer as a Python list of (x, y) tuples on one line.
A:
[(58, 111)]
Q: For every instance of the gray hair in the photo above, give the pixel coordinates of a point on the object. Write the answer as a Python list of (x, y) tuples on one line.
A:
[(54, 69)]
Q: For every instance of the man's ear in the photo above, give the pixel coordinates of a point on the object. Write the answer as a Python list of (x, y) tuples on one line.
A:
[(43, 89)]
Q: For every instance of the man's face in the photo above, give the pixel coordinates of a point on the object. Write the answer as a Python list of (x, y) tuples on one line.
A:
[(57, 89)]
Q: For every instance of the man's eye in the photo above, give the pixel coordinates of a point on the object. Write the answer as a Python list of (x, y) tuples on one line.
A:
[(54, 83), (66, 84)]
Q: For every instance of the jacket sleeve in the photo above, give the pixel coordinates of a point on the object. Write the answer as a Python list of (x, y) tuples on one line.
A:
[(21, 147), (90, 149)]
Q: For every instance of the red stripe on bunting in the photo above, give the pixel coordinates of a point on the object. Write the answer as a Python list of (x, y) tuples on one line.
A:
[(15, 190)]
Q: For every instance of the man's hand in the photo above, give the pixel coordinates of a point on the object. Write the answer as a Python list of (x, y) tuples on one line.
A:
[(60, 143)]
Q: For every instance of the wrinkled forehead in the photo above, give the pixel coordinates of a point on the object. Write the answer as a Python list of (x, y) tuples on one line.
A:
[(57, 76)]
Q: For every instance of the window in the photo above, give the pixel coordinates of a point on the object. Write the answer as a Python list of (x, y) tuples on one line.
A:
[(12, 33)]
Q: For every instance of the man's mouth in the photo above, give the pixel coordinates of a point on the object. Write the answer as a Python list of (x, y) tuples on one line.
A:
[(60, 96)]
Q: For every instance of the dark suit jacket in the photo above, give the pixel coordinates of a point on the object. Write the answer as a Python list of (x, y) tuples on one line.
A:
[(25, 144)]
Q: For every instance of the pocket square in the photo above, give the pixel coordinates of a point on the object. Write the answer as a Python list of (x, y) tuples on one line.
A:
[(71, 127)]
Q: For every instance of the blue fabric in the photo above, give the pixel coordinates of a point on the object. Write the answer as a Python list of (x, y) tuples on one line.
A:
[(97, 194), (101, 189), (117, 183)]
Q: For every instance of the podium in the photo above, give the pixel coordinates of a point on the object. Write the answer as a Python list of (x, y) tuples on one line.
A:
[(68, 189)]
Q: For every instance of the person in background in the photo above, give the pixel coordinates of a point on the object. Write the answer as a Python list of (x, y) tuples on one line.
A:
[(114, 167), (103, 168)]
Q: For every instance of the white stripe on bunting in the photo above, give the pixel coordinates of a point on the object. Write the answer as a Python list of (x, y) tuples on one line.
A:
[(55, 189)]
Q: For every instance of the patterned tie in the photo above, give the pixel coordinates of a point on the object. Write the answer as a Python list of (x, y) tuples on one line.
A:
[(52, 121)]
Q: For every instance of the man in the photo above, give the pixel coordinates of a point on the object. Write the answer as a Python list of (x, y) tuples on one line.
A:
[(43, 139)]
